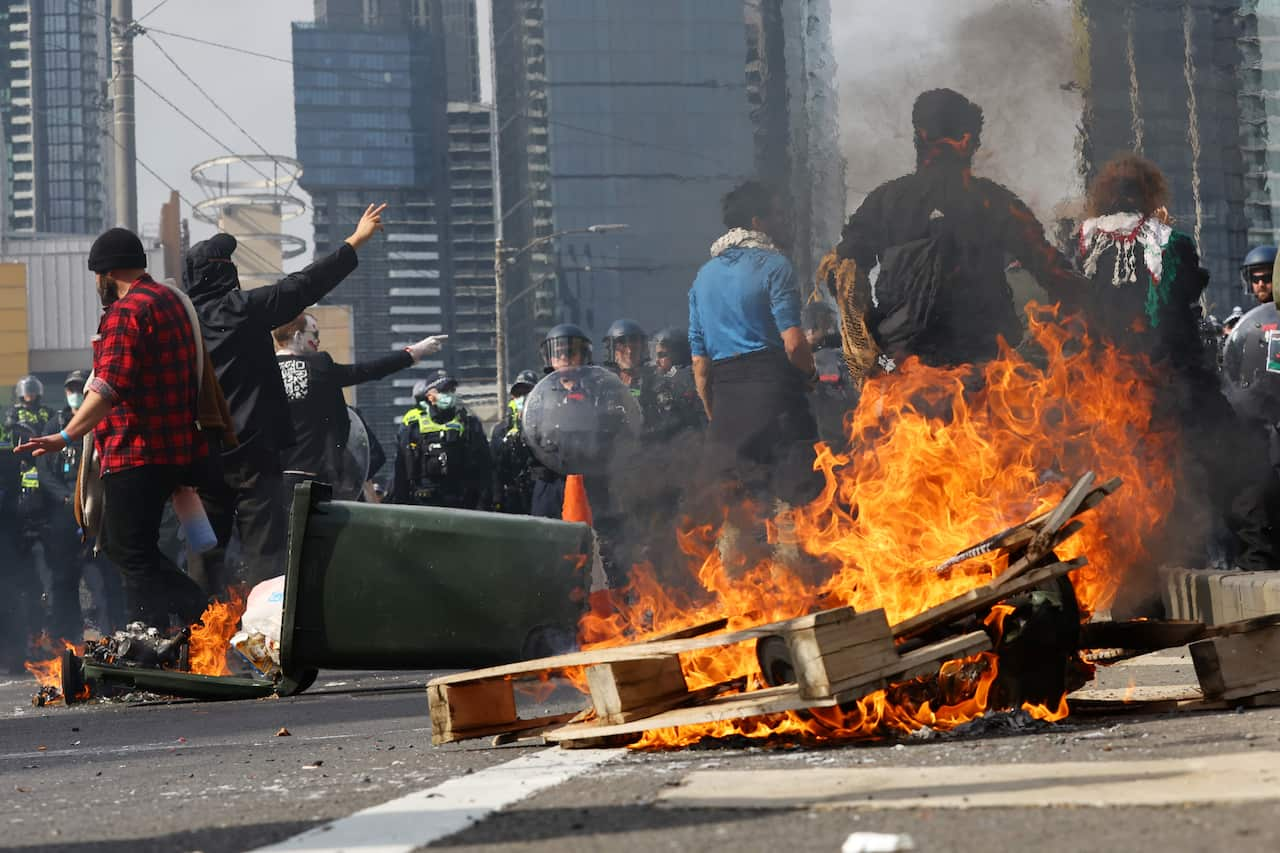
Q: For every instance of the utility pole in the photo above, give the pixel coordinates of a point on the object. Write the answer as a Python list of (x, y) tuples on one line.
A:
[(500, 321), (122, 115)]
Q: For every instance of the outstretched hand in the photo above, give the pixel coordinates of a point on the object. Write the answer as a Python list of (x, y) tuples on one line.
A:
[(40, 445), (370, 223)]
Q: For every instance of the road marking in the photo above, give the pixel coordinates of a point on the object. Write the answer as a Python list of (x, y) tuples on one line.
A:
[(420, 818), (1243, 777)]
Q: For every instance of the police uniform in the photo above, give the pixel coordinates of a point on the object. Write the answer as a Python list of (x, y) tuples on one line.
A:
[(442, 459), (513, 464), (28, 514)]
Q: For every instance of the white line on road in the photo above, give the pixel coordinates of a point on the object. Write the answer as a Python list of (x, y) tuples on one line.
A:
[(420, 818)]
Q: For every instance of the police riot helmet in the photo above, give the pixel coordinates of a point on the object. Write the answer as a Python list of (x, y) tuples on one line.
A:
[(567, 344), (525, 380), (29, 386), (420, 391), (675, 344), (1251, 365), (630, 333), (1234, 317), (1259, 257)]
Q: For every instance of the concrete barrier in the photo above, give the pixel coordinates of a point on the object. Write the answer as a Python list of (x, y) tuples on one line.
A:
[(1216, 598)]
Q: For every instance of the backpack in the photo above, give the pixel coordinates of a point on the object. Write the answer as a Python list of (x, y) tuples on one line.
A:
[(905, 296)]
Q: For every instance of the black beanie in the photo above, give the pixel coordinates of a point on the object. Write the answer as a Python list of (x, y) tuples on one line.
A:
[(117, 249)]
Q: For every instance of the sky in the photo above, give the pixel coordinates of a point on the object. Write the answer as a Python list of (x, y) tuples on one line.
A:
[(256, 92)]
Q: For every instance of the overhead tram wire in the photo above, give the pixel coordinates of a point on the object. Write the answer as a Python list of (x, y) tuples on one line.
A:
[(248, 250), (199, 126), (210, 99)]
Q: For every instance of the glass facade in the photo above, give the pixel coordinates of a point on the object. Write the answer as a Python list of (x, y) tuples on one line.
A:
[(373, 125), (55, 71), (643, 114)]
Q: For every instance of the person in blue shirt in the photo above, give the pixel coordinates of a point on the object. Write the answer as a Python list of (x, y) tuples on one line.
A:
[(751, 362)]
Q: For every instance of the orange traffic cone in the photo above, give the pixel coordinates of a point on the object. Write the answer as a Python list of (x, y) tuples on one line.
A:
[(578, 508)]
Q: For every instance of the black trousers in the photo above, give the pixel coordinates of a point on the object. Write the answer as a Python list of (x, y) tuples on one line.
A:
[(251, 500), (154, 588), (762, 428)]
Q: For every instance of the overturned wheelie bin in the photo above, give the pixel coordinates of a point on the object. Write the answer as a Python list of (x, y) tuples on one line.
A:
[(374, 586), (381, 587)]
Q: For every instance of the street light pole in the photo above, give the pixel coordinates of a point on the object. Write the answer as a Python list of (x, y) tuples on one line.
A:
[(125, 158), (503, 258)]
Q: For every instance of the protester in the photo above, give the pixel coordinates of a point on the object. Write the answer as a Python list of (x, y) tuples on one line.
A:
[(942, 239), (142, 406), (751, 362), (442, 457), (513, 461), (1144, 283), (313, 384), (237, 326), (1256, 272)]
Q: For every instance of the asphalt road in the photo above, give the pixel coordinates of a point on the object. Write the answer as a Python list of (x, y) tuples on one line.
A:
[(216, 777)]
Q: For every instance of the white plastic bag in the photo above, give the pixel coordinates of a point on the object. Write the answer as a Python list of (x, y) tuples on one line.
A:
[(259, 636)]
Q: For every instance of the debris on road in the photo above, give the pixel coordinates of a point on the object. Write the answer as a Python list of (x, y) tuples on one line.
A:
[(284, 732), (877, 842)]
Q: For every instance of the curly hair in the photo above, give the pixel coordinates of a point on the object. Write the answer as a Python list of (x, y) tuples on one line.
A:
[(1128, 184)]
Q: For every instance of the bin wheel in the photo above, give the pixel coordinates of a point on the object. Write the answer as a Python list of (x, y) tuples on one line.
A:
[(292, 684)]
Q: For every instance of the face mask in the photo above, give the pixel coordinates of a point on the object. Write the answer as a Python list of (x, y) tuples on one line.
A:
[(519, 403), (444, 402), (108, 292), (75, 400)]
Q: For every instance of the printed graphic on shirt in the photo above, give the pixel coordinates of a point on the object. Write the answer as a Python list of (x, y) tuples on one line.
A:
[(296, 379)]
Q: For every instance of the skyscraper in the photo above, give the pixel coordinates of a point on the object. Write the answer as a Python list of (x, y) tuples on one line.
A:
[(645, 114), (375, 124), (53, 71)]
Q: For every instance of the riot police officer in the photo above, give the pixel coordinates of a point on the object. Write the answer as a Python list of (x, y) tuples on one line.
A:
[(626, 353), (513, 462), (1256, 271), (677, 407), (68, 557), (442, 457), (564, 346), (834, 394), (33, 506)]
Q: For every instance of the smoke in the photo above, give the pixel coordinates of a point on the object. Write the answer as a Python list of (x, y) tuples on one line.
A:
[(1016, 58)]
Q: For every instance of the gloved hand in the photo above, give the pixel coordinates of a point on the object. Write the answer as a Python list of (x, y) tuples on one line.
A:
[(426, 347)]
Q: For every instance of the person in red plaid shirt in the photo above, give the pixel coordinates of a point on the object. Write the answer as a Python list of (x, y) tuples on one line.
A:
[(141, 406)]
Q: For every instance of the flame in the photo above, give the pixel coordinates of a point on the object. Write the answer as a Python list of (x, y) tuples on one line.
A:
[(941, 458), (48, 672), (211, 641)]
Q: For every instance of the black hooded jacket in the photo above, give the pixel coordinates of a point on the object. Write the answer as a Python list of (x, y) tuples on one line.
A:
[(237, 328)]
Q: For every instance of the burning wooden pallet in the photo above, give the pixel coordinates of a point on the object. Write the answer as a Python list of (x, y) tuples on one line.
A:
[(831, 658)]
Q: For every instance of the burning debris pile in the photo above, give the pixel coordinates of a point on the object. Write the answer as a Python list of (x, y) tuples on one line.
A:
[(939, 459), (101, 667)]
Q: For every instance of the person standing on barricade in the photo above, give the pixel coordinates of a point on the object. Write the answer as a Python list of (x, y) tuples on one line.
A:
[(237, 326)]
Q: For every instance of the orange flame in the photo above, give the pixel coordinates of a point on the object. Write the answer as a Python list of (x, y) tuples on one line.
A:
[(211, 641), (941, 458), (48, 672)]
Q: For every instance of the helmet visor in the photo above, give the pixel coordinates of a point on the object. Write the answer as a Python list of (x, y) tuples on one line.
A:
[(29, 387), (560, 353)]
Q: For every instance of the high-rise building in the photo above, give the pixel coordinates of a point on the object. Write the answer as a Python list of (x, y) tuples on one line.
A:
[(375, 124), (645, 114), (54, 58), (1165, 80)]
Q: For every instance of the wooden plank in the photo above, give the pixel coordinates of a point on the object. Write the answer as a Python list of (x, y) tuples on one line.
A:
[(624, 690), (828, 654), (923, 661), (692, 631), (469, 710), (757, 703), (1145, 635), (642, 650), (1238, 665), (1019, 536), (976, 600)]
